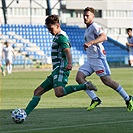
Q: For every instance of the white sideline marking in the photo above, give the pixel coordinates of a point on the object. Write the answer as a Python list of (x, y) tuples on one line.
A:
[(60, 127)]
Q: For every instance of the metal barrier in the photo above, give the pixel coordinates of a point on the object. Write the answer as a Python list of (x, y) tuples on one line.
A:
[(113, 61)]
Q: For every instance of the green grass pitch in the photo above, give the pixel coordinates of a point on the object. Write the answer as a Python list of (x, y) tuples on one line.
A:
[(67, 114)]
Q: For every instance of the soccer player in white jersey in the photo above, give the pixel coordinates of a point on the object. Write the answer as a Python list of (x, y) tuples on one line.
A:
[(1, 66), (7, 54), (94, 36), (130, 45)]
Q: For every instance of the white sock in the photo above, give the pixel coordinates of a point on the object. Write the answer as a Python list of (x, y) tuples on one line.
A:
[(122, 92), (91, 94), (8, 69)]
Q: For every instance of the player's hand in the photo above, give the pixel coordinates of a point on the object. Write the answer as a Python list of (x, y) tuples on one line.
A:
[(87, 45), (69, 67), (127, 44)]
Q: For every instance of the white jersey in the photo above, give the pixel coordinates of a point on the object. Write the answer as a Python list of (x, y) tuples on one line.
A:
[(0, 51), (91, 33), (130, 40), (8, 52)]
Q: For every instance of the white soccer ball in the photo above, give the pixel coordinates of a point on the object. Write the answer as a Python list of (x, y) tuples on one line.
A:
[(18, 115)]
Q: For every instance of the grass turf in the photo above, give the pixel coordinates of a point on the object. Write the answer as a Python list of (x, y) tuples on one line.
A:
[(66, 114)]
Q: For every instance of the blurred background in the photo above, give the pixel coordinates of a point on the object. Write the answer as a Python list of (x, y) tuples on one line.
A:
[(22, 24)]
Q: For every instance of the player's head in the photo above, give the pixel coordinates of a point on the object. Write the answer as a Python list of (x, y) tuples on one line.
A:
[(53, 24), (88, 15), (6, 43), (129, 31)]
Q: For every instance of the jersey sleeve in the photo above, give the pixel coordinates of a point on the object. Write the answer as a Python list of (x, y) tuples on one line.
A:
[(132, 40), (63, 42), (98, 30), (12, 49), (3, 49)]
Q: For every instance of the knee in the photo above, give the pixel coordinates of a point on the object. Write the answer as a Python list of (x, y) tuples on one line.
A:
[(58, 95), (80, 77), (77, 79), (105, 81), (38, 91), (59, 92)]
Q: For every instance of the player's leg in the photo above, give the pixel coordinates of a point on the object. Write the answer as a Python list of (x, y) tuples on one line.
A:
[(63, 91), (106, 79), (7, 66), (114, 85), (10, 65), (83, 72), (2, 69), (44, 87), (60, 81), (131, 60), (10, 68), (35, 100)]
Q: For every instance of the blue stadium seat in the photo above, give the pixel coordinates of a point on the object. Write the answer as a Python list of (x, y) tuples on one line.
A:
[(39, 35)]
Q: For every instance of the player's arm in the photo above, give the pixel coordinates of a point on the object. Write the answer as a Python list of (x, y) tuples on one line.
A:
[(65, 45), (69, 58), (13, 53), (3, 54), (101, 38), (129, 44)]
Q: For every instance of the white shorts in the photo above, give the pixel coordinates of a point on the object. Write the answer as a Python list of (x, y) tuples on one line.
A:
[(7, 60), (99, 66), (0, 60)]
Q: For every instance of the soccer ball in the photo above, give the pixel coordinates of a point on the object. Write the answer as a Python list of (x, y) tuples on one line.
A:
[(18, 115)]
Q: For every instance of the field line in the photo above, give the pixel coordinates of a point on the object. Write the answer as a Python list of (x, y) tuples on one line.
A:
[(61, 127)]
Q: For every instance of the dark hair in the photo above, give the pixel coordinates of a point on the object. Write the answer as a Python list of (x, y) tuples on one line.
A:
[(91, 9), (52, 19), (6, 43), (128, 29)]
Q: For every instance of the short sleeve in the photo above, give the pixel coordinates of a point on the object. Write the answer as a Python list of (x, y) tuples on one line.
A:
[(132, 40), (63, 41), (98, 29)]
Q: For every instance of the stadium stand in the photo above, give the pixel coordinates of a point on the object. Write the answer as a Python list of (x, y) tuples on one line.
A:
[(32, 44)]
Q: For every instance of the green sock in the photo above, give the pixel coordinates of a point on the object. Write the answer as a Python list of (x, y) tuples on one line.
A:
[(73, 88), (32, 104), (2, 68)]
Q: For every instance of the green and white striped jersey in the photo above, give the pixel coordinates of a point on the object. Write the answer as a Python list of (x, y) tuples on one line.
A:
[(60, 42)]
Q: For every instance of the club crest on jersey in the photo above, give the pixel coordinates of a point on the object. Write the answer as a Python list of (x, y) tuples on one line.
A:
[(104, 52)]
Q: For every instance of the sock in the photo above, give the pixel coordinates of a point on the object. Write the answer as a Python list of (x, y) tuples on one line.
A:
[(8, 70), (73, 88), (2, 68), (91, 94), (32, 104), (122, 92)]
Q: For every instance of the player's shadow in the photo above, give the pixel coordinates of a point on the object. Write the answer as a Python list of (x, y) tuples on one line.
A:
[(101, 119)]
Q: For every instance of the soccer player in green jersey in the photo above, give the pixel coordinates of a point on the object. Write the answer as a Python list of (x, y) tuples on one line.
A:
[(2, 68), (62, 64)]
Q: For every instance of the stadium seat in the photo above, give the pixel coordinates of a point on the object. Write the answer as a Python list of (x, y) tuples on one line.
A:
[(39, 36)]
